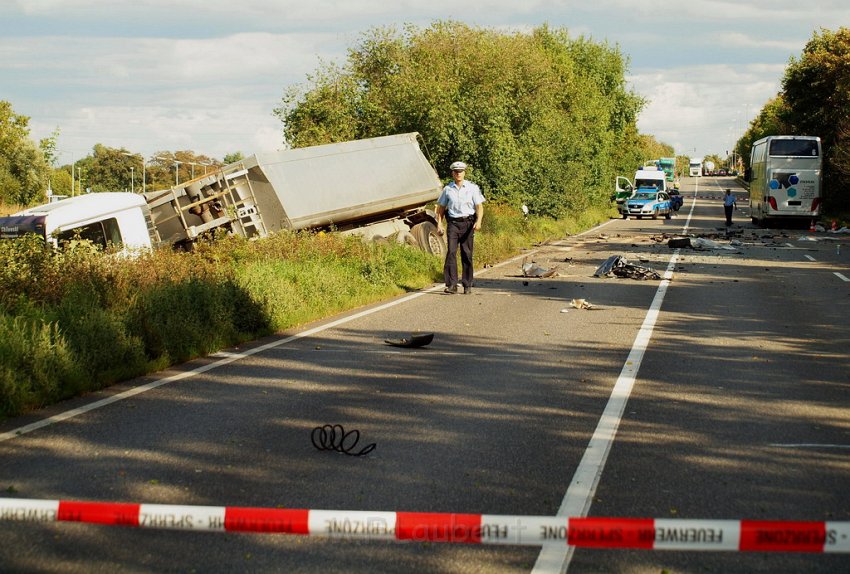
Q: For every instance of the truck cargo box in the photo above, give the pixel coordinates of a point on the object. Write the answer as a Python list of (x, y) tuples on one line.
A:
[(341, 185)]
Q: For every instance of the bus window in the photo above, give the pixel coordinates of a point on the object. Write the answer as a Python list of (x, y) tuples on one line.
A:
[(794, 148)]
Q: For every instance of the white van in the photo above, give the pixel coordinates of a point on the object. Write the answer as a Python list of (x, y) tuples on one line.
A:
[(119, 220)]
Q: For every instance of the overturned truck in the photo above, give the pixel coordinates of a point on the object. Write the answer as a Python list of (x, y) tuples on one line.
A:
[(382, 188), (379, 187)]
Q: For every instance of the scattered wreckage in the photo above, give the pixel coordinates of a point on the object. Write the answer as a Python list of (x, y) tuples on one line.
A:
[(619, 266)]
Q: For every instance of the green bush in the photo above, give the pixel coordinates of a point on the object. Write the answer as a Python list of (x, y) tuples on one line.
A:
[(37, 366)]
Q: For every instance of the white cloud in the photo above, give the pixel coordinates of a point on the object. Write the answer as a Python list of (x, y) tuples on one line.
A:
[(704, 107), (205, 74)]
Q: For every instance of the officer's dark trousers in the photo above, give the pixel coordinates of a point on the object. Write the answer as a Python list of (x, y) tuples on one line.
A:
[(459, 233)]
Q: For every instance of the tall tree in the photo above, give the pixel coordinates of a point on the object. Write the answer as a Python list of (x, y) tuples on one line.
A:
[(24, 170), (541, 118), (816, 88)]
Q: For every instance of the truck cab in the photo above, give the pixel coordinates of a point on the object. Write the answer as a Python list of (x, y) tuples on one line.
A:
[(115, 220)]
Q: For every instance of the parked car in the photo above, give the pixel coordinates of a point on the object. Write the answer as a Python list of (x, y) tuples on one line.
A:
[(648, 203)]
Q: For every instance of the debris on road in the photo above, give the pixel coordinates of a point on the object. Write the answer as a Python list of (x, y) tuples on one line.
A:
[(532, 269), (581, 304), (700, 243), (419, 340), (619, 266)]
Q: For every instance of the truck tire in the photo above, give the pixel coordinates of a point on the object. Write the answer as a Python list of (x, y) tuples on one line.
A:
[(428, 239)]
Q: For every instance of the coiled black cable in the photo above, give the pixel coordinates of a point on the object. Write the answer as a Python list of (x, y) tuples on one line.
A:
[(334, 437)]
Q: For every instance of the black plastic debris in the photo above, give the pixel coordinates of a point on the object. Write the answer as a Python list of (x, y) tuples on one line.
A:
[(619, 266), (412, 341)]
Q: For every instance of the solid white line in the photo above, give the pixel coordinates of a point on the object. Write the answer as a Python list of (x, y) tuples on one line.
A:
[(579, 495), (809, 257), (842, 277)]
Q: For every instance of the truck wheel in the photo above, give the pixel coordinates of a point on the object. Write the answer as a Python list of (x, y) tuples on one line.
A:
[(428, 239)]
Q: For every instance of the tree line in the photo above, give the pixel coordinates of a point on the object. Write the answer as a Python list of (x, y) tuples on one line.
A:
[(28, 170), (543, 119), (814, 100)]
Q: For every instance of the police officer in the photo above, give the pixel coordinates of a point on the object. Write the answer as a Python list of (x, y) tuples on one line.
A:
[(461, 203), (729, 204)]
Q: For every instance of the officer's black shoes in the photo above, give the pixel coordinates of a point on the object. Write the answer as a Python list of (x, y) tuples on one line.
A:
[(450, 290)]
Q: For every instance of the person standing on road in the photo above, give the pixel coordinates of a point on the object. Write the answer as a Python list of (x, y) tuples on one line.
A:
[(462, 204), (729, 204)]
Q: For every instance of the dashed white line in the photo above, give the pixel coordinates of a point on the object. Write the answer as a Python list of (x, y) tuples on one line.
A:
[(842, 277), (809, 257)]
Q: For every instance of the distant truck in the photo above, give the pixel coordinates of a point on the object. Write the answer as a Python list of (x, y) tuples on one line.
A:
[(708, 167), (695, 167), (380, 188), (668, 166)]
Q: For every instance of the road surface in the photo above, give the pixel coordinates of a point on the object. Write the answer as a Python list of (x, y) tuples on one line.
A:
[(731, 403)]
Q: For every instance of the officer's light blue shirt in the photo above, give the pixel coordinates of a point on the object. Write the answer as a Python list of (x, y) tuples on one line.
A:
[(461, 202)]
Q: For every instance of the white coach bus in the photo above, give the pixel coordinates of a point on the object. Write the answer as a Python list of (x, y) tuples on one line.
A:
[(695, 167), (785, 178)]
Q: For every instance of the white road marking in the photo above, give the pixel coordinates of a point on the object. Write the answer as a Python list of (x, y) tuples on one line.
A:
[(579, 495), (842, 277), (809, 257), (812, 445)]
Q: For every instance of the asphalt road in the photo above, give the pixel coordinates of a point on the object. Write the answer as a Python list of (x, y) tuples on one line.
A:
[(739, 410)]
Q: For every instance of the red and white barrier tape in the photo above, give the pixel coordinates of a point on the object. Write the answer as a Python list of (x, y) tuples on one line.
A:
[(635, 533)]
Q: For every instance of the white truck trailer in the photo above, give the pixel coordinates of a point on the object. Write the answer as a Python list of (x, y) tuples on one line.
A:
[(381, 188)]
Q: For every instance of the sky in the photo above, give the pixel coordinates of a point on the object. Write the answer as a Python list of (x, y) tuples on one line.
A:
[(206, 75)]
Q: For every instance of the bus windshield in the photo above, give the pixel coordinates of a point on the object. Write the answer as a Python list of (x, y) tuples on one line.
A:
[(793, 148)]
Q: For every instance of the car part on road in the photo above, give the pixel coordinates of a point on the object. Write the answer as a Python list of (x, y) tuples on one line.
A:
[(619, 266), (532, 269), (412, 341), (334, 437), (699, 243)]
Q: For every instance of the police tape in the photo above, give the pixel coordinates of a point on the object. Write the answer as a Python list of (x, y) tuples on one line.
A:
[(632, 533)]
